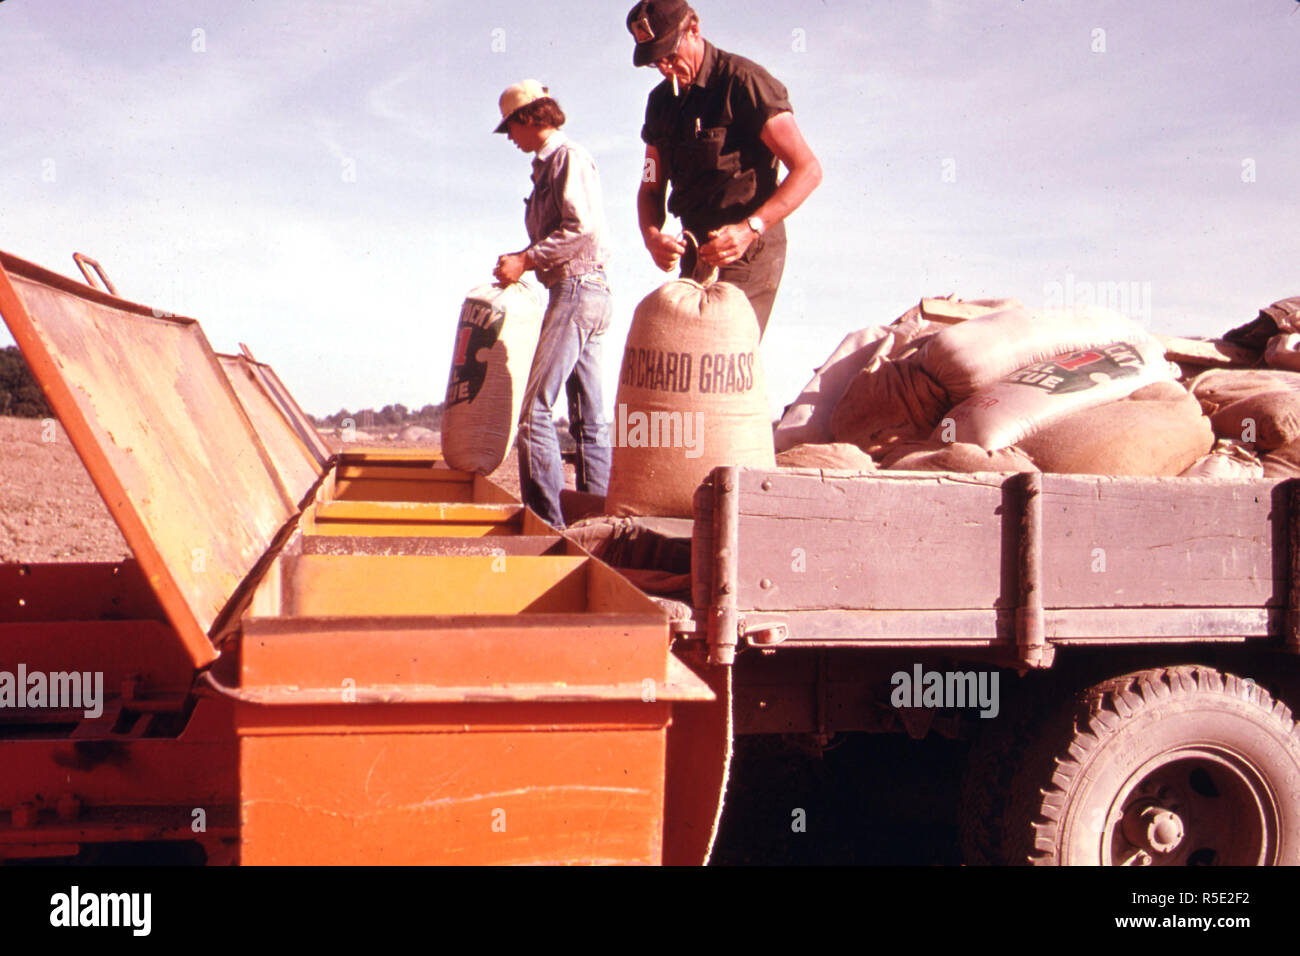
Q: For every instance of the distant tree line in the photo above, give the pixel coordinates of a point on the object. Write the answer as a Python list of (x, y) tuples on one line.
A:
[(430, 416), (20, 396)]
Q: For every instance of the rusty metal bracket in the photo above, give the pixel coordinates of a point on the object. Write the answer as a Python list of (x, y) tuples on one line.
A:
[(82, 260), (1032, 649), (724, 619), (764, 630), (682, 628)]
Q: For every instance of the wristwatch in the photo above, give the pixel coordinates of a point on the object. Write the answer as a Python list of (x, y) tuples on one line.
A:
[(755, 224)]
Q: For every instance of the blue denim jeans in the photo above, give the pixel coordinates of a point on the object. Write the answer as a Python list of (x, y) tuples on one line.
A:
[(568, 357)]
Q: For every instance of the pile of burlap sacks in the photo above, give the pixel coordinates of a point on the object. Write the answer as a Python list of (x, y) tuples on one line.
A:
[(992, 386)]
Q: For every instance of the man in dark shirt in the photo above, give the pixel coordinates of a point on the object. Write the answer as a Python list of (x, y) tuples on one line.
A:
[(715, 129)]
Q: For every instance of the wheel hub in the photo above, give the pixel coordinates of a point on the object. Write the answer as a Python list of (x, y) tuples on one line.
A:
[(1152, 828), (1191, 806)]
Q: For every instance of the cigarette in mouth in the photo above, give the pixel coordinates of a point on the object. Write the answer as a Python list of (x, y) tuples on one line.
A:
[(676, 91)]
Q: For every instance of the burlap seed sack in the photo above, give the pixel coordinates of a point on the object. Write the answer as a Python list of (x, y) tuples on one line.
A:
[(1283, 351), (808, 419), (1033, 397), (893, 402), (1228, 459), (839, 456), (492, 356), (1162, 391), (691, 396), (1151, 438), (1266, 420), (955, 456), (973, 355), (1219, 387), (1282, 462)]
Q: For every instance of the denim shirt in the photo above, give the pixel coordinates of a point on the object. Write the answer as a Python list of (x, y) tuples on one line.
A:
[(565, 216)]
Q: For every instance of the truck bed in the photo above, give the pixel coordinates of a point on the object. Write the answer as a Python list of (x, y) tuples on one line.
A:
[(1015, 564)]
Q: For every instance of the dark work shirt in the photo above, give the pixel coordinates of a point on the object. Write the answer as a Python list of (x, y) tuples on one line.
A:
[(720, 169)]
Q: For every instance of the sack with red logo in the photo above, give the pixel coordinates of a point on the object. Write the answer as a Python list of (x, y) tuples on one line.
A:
[(1033, 397), (980, 352), (493, 354)]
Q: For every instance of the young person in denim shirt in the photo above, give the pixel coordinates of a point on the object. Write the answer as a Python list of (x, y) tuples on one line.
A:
[(565, 219)]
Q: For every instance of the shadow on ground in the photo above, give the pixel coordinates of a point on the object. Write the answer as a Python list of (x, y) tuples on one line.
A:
[(880, 800)]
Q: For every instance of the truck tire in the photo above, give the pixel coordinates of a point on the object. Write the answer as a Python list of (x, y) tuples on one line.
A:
[(1176, 766)]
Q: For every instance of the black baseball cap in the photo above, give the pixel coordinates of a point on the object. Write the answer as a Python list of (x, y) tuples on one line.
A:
[(655, 25)]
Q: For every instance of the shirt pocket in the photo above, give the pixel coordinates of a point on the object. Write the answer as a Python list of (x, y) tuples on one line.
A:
[(718, 183), (698, 152)]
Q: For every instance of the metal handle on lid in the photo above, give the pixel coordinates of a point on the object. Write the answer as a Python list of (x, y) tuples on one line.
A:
[(82, 260)]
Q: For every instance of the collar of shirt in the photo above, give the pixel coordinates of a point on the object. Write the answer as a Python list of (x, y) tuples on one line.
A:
[(708, 65), (553, 142)]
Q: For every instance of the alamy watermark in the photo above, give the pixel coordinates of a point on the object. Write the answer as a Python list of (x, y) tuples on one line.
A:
[(920, 688), (56, 690), (1131, 298), (640, 429), (75, 908)]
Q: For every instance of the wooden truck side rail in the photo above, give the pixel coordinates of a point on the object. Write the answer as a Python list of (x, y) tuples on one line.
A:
[(1013, 564)]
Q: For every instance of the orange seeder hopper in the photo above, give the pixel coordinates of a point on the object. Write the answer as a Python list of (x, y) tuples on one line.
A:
[(314, 658)]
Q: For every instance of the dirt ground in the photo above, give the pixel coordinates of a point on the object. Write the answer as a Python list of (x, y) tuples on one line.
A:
[(49, 509)]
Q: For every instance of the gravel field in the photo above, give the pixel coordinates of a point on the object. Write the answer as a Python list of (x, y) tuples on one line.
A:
[(49, 509)]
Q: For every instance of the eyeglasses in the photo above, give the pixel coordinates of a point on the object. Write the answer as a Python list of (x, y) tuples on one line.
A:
[(667, 61)]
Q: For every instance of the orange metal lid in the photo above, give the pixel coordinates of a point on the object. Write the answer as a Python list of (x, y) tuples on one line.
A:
[(292, 453), (149, 409), (294, 416)]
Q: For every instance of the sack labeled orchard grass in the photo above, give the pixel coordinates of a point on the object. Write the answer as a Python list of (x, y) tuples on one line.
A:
[(691, 396)]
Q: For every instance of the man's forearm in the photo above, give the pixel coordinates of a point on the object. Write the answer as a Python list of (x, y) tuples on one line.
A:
[(559, 246), (797, 186), (650, 211)]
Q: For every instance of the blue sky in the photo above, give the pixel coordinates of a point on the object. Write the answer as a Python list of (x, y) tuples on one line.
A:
[(320, 181)]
